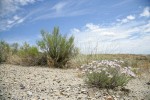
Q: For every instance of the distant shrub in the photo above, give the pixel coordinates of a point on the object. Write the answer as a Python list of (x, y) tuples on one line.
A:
[(28, 55), (59, 48), (28, 51), (107, 74), (4, 51), (14, 48), (14, 59)]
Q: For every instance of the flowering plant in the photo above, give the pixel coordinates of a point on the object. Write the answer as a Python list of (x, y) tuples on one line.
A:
[(107, 74)]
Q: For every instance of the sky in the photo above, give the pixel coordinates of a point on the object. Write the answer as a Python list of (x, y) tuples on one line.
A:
[(99, 26)]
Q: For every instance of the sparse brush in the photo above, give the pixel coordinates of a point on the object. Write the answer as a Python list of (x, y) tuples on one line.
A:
[(58, 48), (28, 55), (4, 51)]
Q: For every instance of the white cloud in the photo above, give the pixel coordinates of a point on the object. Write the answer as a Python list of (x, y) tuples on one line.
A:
[(130, 17), (119, 38), (146, 12), (127, 19), (75, 30)]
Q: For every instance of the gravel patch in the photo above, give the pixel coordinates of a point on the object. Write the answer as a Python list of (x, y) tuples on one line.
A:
[(43, 83)]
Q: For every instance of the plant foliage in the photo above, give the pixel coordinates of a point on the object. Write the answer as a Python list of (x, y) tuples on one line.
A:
[(107, 74), (59, 48), (4, 51)]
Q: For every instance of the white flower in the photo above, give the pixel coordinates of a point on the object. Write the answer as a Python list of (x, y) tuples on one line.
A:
[(112, 66), (110, 76), (104, 69), (90, 72)]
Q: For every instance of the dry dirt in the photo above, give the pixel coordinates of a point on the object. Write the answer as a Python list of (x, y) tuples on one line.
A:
[(43, 83)]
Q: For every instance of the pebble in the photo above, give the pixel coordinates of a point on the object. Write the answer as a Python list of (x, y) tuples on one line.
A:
[(22, 86), (29, 93)]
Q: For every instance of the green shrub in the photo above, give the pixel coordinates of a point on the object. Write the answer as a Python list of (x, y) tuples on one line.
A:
[(28, 51), (29, 55), (4, 51), (107, 74), (103, 80), (14, 48), (58, 48)]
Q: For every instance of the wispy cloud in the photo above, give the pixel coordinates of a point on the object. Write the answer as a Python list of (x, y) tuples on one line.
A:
[(8, 23), (59, 6), (8, 12), (121, 3), (146, 12), (8, 7), (63, 9)]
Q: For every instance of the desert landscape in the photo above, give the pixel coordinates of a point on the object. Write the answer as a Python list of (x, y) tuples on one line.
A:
[(74, 50)]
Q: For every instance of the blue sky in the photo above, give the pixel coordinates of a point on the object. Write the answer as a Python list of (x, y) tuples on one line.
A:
[(110, 26)]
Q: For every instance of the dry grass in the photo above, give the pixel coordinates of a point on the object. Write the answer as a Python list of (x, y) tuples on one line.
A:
[(141, 62)]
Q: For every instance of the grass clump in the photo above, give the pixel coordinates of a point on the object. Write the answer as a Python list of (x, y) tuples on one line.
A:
[(59, 48)]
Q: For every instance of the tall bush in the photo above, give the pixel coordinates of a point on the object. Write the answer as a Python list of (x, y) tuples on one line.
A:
[(58, 47)]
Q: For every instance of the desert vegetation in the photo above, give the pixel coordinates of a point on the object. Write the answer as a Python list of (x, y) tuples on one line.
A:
[(107, 74), (58, 48), (105, 71), (55, 50)]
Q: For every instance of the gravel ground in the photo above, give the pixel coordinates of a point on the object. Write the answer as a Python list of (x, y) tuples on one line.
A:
[(43, 83)]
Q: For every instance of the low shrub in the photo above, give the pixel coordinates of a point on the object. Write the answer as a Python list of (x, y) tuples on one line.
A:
[(29, 55), (59, 48), (14, 59), (107, 74), (14, 48), (4, 51)]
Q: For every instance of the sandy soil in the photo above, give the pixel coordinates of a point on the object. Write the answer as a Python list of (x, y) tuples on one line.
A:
[(43, 83)]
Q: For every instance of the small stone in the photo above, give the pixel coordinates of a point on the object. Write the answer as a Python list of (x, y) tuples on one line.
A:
[(35, 98), (117, 96), (109, 98), (97, 95), (43, 90), (29, 93), (83, 91), (148, 83), (22, 86)]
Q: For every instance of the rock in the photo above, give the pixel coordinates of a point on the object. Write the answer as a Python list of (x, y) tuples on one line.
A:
[(97, 95), (29, 93), (148, 83), (83, 91), (22, 86), (109, 98), (34, 98)]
